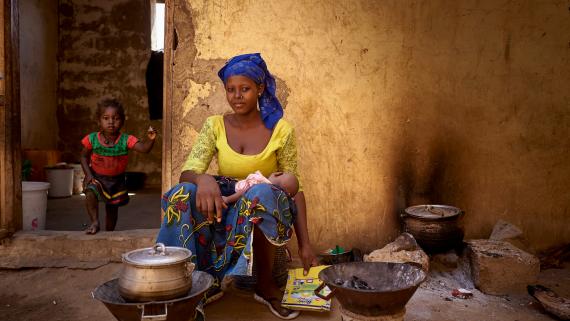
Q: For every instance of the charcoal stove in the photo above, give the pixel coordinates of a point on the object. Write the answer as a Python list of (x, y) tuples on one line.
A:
[(179, 309), (346, 315), (380, 293)]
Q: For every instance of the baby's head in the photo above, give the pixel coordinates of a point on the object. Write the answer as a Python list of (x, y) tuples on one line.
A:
[(286, 181), (110, 115)]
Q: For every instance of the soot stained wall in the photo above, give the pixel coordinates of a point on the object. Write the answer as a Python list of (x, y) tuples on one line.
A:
[(397, 103)]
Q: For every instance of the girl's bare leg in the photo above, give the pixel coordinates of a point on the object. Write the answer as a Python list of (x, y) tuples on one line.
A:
[(112, 212), (92, 205)]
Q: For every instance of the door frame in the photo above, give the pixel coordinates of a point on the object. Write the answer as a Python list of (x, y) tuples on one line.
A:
[(10, 127), (10, 118), (169, 51)]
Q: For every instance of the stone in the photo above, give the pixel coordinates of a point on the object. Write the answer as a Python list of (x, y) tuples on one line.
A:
[(499, 268), (551, 301), (404, 249), (505, 231)]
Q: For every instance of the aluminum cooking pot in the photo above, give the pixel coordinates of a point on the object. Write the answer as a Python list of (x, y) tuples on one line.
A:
[(155, 274)]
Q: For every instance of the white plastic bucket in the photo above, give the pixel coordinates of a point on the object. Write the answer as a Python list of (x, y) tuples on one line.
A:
[(61, 181), (34, 205), (78, 177)]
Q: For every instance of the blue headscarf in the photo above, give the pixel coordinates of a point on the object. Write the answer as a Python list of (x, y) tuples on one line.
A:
[(254, 67)]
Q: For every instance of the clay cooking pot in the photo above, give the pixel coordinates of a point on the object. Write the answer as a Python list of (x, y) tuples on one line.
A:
[(435, 227)]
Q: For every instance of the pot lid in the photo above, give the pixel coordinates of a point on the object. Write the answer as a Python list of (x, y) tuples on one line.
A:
[(157, 255), (433, 211)]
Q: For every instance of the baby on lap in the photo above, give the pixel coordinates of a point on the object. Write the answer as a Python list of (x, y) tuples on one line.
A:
[(285, 181)]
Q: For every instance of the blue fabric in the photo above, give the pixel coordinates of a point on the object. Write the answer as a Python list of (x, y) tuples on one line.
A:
[(225, 248), (254, 67)]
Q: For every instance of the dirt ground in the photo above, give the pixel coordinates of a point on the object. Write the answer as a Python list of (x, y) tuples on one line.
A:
[(57, 294), (69, 214)]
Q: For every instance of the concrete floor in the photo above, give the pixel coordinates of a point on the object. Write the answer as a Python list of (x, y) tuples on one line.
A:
[(69, 214)]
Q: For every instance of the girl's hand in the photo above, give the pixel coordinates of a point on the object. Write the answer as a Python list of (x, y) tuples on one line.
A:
[(144, 146), (88, 178), (209, 198), (308, 258), (151, 133)]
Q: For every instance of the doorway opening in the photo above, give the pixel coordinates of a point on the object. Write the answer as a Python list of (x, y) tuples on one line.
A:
[(73, 54)]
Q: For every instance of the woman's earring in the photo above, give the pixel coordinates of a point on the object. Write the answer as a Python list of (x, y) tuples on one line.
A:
[(259, 95)]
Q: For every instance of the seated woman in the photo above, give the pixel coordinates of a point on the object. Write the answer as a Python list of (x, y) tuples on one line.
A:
[(224, 237)]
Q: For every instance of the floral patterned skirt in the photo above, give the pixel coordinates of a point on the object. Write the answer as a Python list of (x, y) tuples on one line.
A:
[(226, 248)]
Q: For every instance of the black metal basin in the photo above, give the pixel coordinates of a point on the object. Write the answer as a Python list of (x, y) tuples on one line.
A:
[(391, 286)]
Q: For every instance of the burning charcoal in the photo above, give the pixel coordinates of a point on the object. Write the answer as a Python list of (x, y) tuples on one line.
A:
[(341, 282), (360, 284)]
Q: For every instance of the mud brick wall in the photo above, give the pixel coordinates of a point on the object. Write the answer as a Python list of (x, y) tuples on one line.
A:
[(104, 48)]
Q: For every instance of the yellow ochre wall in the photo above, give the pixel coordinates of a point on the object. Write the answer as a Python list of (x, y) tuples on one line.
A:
[(465, 103)]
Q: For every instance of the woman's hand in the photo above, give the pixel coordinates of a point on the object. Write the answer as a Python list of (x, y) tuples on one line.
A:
[(208, 198), (307, 257)]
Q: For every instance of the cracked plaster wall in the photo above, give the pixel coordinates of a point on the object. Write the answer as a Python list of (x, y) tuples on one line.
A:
[(104, 50), (398, 103)]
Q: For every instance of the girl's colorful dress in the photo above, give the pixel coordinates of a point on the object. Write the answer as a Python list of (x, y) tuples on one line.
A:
[(108, 164)]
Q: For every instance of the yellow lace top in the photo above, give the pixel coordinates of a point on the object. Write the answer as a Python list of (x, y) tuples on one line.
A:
[(280, 154)]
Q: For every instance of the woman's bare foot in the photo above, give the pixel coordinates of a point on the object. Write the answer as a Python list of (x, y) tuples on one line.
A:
[(272, 295), (92, 229)]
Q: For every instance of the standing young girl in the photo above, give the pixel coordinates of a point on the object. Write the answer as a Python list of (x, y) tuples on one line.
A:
[(104, 160)]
